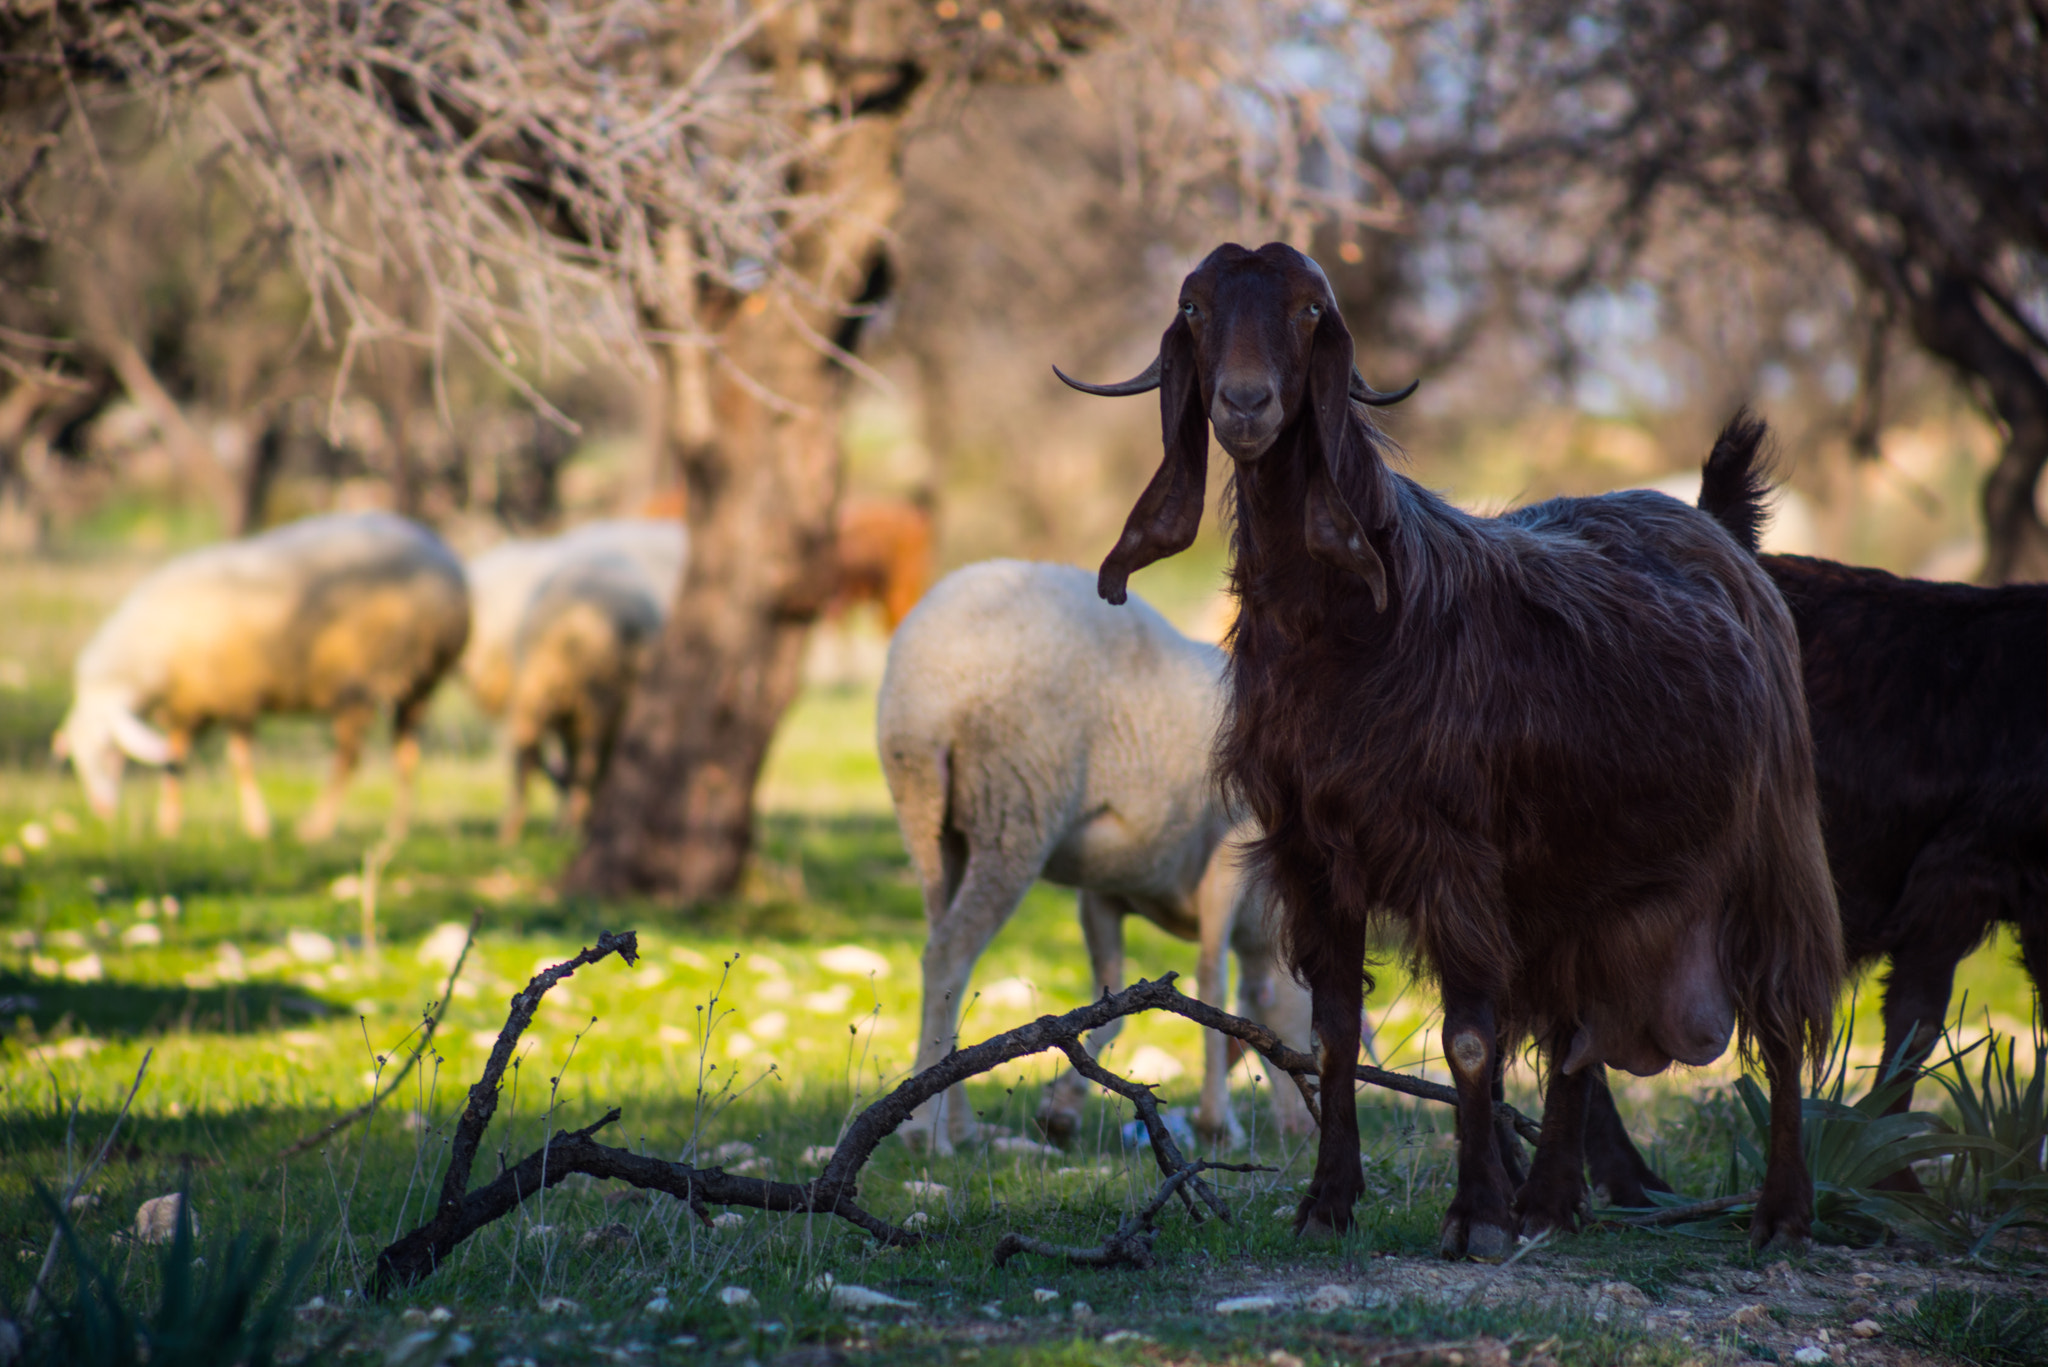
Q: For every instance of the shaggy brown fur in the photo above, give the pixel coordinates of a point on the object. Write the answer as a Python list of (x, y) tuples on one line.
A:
[(1563, 753), (1929, 705)]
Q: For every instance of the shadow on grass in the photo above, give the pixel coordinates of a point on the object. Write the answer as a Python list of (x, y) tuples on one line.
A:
[(127, 1009)]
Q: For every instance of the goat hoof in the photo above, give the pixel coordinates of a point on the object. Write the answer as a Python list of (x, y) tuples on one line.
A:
[(1479, 1239)]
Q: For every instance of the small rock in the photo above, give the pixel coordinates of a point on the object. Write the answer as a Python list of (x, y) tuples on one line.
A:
[(413, 1316), (847, 1296), (1751, 1314), (317, 1309), (558, 1305), (1782, 1279), (732, 1151), (820, 1153), (1045, 1295), (35, 835), (142, 935), (730, 1219), (1126, 1336), (917, 1219), (156, 1220), (736, 1296), (1247, 1305), (1018, 1144), (428, 1348), (1285, 1212), (1280, 1357), (1325, 1299), (922, 1190), (1621, 1293), (606, 1236), (440, 1314), (657, 1306), (1906, 1307), (1810, 1354), (1863, 1281), (1866, 1329), (1081, 1310)]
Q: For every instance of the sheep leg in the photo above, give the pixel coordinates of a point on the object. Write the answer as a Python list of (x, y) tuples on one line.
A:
[(581, 757), (1554, 1196), (242, 759), (1216, 901), (170, 804), (1616, 1165), (525, 759), (405, 759), (1784, 1207), (1481, 1221), (1267, 993), (1336, 982), (990, 889), (349, 726), (1102, 929)]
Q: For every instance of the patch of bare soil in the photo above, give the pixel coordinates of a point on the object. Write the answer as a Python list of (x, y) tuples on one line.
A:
[(1826, 1306)]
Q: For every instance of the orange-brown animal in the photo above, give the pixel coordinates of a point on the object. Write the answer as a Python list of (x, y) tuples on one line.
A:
[(884, 555)]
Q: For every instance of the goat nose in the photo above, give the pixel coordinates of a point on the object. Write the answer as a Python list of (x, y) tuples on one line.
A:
[(1246, 400)]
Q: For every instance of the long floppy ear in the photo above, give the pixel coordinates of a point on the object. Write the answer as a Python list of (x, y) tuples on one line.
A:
[(1169, 512), (1346, 498)]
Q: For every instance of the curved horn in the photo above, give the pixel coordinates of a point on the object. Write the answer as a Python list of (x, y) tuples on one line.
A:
[(1147, 380), (1366, 394)]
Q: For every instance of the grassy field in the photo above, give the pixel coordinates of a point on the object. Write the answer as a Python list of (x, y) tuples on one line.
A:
[(747, 1034)]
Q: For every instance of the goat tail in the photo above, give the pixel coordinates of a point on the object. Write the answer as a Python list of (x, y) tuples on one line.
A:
[(1738, 478)]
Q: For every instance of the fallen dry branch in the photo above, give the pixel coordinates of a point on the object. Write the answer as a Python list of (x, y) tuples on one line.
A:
[(461, 1212), (1678, 1215), (1131, 1244), (433, 1023)]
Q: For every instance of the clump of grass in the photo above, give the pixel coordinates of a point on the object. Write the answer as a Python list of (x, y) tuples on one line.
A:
[(208, 1314), (1988, 1330)]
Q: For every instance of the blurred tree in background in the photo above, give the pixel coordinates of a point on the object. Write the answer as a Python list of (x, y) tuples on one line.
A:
[(1560, 155)]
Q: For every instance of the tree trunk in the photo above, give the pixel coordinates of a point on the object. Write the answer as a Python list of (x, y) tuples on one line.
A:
[(1952, 324), (674, 816)]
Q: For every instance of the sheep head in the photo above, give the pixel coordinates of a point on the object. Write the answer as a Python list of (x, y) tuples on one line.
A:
[(98, 735), (1258, 350)]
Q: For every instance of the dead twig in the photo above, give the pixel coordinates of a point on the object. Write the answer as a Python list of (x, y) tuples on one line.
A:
[(77, 1184), (462, 1212), (1678, 1215), (1131, 1244), (433, 1023)]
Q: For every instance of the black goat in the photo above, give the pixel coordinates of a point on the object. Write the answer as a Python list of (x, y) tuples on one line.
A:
[(1929, 706), (1563, 753)]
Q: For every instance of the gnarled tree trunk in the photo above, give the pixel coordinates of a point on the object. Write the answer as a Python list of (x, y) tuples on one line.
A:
[(674, 817)]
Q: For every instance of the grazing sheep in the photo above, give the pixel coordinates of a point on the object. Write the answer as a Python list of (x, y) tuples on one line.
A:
[(1930, 742), (1562, 752), (563, 627), (341, 615), (1029, 731)]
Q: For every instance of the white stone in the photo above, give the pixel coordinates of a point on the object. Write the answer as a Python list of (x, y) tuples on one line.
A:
[(855, 961), (736, 1296), (820, 1153), (730, 1219), (1246, 1305), (847, 1296), (88, 969), (917, 1219), (309, 946), (443, 945), (142, 936), (1810, 1354), (1621, 1293), (156, 1220), (559, 1305), (657, 1306), (1327, 1298), (921, 1190), (1045, 1295), (1018, 1144), (1866, 1329)]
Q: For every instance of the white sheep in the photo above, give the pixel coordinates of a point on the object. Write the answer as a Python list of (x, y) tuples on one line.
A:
[(562, 629), (339, 615), (1027, 730)]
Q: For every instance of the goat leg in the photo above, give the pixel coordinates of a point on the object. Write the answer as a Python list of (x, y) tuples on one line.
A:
[(1554, 1197), (1784, 1207), (1336, 982), (1616, 1165), (1481, 1221)]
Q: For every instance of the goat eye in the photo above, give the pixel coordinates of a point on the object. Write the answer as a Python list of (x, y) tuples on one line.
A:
[(1188, 307), (1315, 310)]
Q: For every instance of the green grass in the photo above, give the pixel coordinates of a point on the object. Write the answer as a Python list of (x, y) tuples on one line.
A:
[(241, 965), (1987, 1330)]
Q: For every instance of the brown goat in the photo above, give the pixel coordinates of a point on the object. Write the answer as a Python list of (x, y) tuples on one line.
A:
[(1562, 754)]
